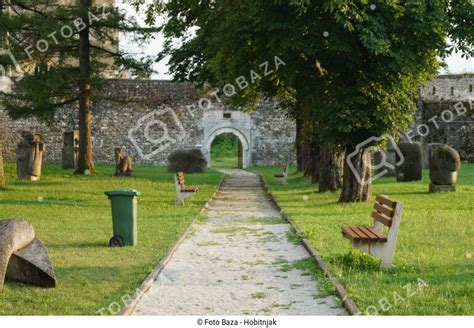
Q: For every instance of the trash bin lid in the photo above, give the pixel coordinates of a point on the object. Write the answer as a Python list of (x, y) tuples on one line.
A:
[(123, 192)]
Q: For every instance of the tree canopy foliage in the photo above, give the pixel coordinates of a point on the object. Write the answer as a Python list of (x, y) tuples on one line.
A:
[(43, 38), (59, 54), (353, 67)]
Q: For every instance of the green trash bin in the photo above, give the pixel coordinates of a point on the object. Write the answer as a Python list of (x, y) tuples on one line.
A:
[(124, 217)]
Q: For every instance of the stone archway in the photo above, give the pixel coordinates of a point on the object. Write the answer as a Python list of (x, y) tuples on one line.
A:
[(244, 144)]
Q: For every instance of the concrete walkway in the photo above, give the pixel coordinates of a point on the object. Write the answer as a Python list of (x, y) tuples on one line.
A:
[(241, 261)]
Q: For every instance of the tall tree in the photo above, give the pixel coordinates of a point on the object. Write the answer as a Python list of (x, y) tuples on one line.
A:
[(85, 160), (353, 66), (64, 53)]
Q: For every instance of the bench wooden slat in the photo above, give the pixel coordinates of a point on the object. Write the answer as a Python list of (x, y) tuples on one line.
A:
[(348, 233), (382, 219), (384, 210), (369, 233), (191, 189), (363, 236), (379, 235), (386, 201), (374, 234), (180, 178)]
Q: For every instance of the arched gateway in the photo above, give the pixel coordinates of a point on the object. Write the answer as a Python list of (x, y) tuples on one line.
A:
[(161, 117), (237, 123)]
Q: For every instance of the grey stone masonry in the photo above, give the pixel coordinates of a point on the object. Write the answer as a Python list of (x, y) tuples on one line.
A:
[(449, 88), (151, 119), (446, 114)]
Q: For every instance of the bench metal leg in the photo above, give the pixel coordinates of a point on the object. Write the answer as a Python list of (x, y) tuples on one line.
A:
[(179, 201), (181, 196), (383, 251)]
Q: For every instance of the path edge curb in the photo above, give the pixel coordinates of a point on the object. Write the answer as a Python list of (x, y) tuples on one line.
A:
[(153, 276), (341, 292)]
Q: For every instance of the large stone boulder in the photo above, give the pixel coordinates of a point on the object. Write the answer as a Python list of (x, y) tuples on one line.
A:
[(188, 161), (429, 151), (444, 166), (23, 257), (29, 157), (412, 167)]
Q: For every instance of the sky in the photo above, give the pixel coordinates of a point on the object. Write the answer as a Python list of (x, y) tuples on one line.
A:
[(456, 64)]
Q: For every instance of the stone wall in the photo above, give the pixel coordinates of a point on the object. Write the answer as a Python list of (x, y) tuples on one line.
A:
[(446, 114), (151, 119), (448, 87), (273, 136)]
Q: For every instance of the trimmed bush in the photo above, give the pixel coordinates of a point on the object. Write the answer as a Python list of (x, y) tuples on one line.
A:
[(187, 161)]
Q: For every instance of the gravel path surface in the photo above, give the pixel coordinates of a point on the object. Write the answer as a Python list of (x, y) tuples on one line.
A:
[(243, 260)]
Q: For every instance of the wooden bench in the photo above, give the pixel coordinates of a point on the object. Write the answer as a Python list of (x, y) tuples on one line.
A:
[(387, 213), (183, 192), (283, 177)]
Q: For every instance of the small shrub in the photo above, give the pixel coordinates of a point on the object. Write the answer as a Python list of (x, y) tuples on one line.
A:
[(187, 161), (359, 260)]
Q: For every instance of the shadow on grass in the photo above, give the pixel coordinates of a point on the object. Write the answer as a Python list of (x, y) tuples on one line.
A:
[(44, 202), (426, 193), (95, 244), (298, 179), (35, 183)]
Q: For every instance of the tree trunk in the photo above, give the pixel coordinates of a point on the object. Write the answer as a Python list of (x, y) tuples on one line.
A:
[(311, 160), (306, 157), (357, 184), (300, 143), (314, 162), (331, 166), (85, 161)]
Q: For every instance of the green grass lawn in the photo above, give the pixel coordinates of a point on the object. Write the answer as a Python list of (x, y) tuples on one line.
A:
[(74, 221), (434, 260), (225, 162), (224, 151)]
